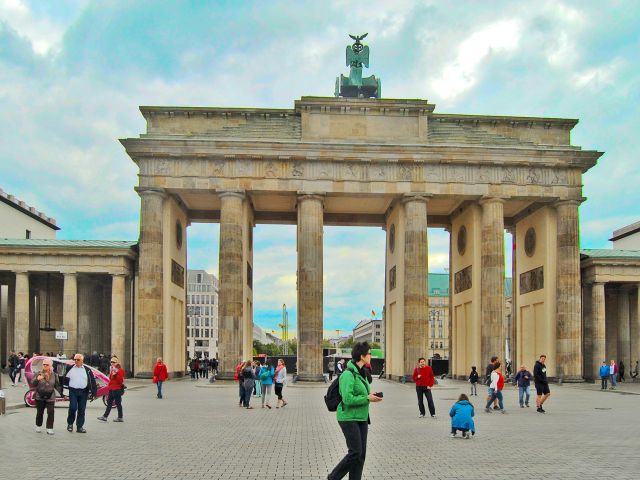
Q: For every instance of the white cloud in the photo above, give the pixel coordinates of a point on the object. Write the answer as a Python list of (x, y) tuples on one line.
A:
[(601, 76), (462, 73), (43, 33)]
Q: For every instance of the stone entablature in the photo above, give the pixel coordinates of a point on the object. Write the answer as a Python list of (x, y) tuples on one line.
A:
[(66, 259)]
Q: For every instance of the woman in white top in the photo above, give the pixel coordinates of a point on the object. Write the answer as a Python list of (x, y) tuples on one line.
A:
[(279, 378)]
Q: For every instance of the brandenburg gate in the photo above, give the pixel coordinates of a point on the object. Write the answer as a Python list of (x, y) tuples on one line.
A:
[(354, 160)]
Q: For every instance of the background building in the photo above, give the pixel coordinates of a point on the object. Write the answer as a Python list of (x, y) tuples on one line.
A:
[(202, 314), (19, 220), (627, 238), (369, 330)]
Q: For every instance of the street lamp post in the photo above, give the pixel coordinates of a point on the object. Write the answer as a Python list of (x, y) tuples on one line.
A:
[(285, 329)]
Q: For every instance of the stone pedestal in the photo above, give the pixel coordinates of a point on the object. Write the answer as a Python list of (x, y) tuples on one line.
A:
[(149, 325), (568, 321), (70, 313), (118, 316), (230, 313), (310, 291), (597, 329), (492, 279), (624, 337), (21, 315), (416, 306)]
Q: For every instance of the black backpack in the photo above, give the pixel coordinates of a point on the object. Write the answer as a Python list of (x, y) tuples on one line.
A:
[(333, 398)]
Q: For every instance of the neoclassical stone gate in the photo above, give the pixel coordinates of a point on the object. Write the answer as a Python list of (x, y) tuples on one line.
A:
[(374, 162)]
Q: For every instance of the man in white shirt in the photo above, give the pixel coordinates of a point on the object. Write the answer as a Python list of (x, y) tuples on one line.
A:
[(82, 385)]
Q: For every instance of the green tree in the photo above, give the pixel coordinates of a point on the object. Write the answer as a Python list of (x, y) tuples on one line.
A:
[(347, 343), (374, 345)]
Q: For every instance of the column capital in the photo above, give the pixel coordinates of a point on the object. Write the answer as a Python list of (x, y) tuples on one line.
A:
[(151, 191), (492, 199), (232, 193), (569, 202), (311, 196), (70, 274), (416, 197)]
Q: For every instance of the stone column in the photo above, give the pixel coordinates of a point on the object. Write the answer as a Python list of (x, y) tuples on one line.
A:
[(492, 279), (452, 365), (568, 341), (21, 315), (85, 298), (230, 305), (598, 344), (70, 313), (513, 333), (624, 337), (416, 270), (587, 335), (635, 331), (149, 325), (118, 318), (310, 292)]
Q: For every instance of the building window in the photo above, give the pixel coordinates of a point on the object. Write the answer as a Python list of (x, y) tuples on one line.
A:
[(199, 278), (27, 234)]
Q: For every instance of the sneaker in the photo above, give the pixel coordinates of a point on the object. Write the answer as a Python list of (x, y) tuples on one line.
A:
[(118, 420), (487, 410), (503, 411), (526, 405), (50, 431), (38, 429), (453, 435), (69, 428), (433, 416), (102, 418), (542, 410), (522, 406), (421, 415), (81, 430)]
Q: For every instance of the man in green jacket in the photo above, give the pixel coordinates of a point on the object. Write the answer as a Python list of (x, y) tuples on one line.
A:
[(353, 413)]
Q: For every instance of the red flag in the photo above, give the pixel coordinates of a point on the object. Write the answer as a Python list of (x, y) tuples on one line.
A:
[(373, 314)]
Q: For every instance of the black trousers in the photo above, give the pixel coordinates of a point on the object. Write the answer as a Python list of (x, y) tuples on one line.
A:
[(40, 406), (355, 433), (114, 396), (426, 392)]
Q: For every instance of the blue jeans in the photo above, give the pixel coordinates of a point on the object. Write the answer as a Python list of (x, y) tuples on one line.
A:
[(495, 394), (612, 377), (159, 386), (524, 392), (77, 403)]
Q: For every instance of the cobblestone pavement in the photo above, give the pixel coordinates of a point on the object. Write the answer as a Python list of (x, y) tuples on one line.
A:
[(198, 431)]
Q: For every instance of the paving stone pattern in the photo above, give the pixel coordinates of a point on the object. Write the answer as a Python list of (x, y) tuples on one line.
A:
[(197, 431)]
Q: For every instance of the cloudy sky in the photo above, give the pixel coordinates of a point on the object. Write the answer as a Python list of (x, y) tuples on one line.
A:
[(73, 73)]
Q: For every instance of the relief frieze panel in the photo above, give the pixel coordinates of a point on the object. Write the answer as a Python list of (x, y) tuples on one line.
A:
[(462, 280), (532, 280), (232, 166)]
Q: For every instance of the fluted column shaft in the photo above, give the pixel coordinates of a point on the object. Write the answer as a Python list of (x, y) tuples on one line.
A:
[(598, 330), (118, 314), (149, 325), (492, 279), (70, 313), (624, 337), (568, 318), (310, 291), (635, 332), (230, 311), (21, 315), (416, 270)]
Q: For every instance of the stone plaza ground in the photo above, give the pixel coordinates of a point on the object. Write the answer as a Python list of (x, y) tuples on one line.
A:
[(197, 431)]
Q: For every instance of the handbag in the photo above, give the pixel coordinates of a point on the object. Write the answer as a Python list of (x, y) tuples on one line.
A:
[(155, 379)]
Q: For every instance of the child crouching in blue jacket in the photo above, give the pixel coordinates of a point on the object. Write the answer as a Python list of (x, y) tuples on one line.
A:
[(462, 417)]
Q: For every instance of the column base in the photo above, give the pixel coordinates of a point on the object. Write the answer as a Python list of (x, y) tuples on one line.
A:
[(310, 377), (399, 378), (571, 379), (143, 375), (226, 376)]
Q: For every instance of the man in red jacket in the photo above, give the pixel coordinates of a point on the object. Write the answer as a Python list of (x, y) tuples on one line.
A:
[(424, 380)]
